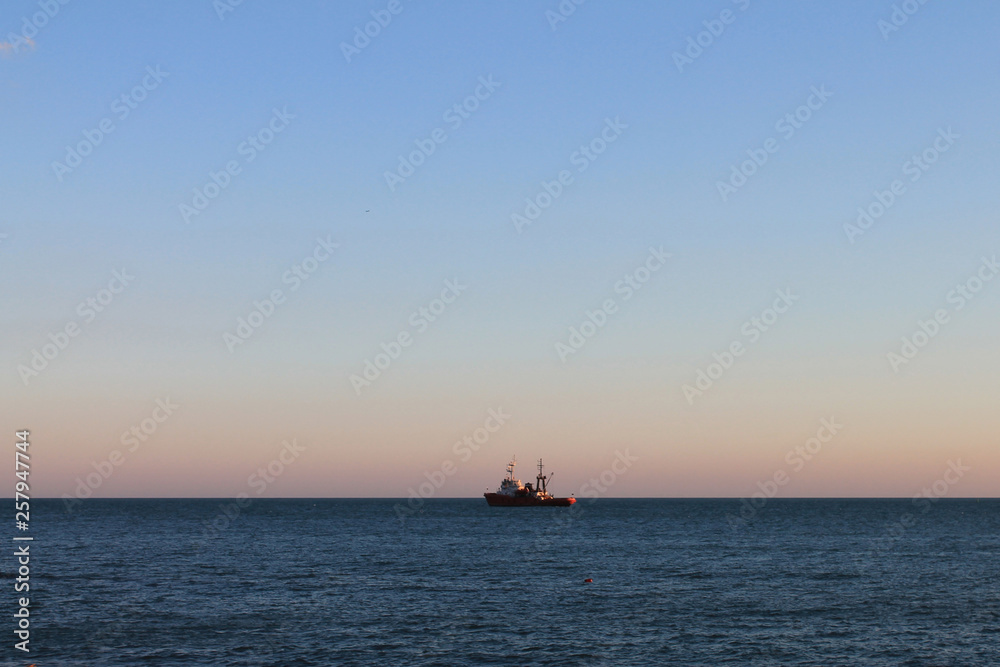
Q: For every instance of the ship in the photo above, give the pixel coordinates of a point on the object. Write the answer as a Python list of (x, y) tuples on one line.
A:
[(511, 493)]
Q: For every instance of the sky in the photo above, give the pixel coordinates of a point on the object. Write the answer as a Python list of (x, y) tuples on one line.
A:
[(335, 261)]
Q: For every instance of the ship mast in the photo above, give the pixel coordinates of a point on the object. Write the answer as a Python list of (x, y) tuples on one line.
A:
[(540, 481)]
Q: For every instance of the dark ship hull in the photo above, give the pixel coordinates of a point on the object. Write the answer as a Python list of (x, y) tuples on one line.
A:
[(514, 494), (500, 500)]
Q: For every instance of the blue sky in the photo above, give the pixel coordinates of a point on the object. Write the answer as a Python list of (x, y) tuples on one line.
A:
[(656, 185)]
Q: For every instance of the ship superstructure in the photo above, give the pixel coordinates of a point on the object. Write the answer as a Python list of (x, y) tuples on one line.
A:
[(512, 493)]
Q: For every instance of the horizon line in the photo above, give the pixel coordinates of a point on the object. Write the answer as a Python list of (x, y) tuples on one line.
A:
[(769, 499)]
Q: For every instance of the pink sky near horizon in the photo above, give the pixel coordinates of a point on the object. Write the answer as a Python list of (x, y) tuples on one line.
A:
[(386, 444)]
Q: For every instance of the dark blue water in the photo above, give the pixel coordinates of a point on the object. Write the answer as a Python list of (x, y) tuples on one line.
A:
[(346, 582)]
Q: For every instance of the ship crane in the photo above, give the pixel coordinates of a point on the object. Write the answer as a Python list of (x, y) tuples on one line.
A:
[(540, 481)]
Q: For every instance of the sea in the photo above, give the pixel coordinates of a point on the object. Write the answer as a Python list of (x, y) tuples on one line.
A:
[(455, 582)]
